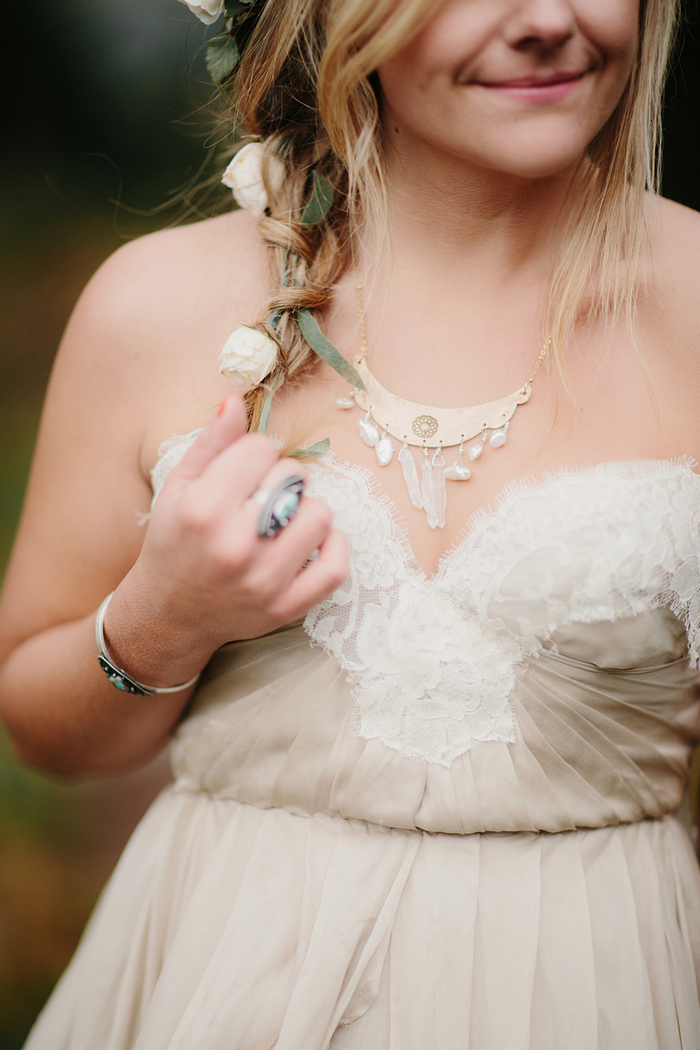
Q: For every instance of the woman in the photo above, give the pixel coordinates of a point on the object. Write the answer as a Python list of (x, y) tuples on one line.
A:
[(438, 811)]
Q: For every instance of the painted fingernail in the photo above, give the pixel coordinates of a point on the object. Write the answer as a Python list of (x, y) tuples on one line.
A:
[(222, 408)]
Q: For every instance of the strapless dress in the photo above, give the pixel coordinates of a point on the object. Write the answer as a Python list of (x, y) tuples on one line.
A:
[(440, 813)]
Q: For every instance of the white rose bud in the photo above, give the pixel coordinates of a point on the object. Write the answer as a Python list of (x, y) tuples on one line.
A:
[(207, 11), (248, 356), (244, 177)]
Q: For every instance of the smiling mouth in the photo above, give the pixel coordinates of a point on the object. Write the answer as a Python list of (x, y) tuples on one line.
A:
[(548, 88)]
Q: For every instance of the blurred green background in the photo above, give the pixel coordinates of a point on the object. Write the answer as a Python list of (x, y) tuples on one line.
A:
[(106, 121)]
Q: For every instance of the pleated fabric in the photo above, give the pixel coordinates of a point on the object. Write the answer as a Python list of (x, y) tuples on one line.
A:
[(308, 932), (302, 888)]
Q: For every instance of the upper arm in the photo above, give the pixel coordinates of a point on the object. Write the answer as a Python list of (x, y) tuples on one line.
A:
[(79, 531), (137, 362)]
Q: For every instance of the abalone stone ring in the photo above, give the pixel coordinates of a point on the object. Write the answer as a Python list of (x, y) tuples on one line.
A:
[(279, 505)]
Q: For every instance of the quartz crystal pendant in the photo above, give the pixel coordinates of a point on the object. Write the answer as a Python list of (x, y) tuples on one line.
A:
[(427, 490), (433, 489), (410, 476), (458, 471), (384, 449), (498, 438), (344, 402), (368, 431), (438, 465)]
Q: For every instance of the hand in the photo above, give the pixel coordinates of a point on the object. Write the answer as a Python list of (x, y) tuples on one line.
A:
[(205, 576)]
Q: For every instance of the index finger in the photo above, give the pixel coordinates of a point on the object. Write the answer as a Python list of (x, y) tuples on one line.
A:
[(230, 425)]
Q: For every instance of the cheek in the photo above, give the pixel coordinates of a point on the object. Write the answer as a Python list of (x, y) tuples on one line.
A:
[(612, 26), (452, 38)]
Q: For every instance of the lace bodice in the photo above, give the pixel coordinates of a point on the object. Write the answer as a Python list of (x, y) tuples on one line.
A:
[(432, 661)]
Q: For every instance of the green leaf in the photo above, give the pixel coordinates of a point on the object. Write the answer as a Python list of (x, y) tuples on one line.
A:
[(319, 202), (237, 7), (308, 326), (221, 57), (319, 449), (265, 415)]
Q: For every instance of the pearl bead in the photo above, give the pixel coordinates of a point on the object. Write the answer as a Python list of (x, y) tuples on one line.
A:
[(458, 472), (385, 450), (368, 432)]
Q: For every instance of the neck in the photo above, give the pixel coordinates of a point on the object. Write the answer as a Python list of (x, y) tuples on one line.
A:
[(467, 221)]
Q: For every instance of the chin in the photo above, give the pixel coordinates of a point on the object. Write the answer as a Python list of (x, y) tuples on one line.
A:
[(537, 168), (531, 162)]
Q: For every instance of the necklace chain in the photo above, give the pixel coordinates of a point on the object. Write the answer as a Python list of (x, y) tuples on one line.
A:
[(429, 428), (540, 358), (363, 339)]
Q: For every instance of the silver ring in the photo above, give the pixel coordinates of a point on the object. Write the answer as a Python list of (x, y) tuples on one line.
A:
[(279, 505)]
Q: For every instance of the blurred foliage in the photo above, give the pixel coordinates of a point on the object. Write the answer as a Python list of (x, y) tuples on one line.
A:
[(108, 123)]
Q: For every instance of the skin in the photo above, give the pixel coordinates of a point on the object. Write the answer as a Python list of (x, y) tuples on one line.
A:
[(477, 176)]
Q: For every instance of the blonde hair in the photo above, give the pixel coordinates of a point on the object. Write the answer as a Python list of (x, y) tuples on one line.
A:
[(305, 87)]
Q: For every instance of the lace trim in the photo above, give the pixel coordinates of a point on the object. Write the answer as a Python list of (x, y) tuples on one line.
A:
[(170, 452), (432, 660), (584, 546)]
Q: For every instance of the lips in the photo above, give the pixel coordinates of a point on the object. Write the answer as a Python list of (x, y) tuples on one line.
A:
[(535, 81), (550, 87)]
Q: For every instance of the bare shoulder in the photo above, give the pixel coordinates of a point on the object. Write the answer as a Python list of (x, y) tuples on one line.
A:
[(153, 319), (183, 275), (138, 362), (195, 252), (668, 315), (674, 238)]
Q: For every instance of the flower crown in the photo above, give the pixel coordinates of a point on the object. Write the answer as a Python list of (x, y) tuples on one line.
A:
[(225, 50)]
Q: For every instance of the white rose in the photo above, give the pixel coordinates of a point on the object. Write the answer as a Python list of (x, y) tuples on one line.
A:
[(206, 10), (244, 177), (248, 356)]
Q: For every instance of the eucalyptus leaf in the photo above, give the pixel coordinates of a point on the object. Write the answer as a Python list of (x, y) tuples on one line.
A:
[(308, 326), (237, 7), (265, 415), (319, 449), (221, 57), (319, 202)]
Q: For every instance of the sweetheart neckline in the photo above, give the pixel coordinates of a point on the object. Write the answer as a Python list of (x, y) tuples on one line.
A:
[(592, 544), (483, 516), (645, 467)]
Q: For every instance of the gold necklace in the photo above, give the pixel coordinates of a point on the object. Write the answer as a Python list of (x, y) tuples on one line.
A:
[(388, 416)]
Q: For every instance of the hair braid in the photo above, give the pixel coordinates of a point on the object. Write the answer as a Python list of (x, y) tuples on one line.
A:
[(301, 89)]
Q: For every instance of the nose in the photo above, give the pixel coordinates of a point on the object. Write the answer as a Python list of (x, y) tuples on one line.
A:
[(541, 24)]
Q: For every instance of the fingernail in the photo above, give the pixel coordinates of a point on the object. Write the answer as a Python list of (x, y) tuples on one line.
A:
[(222, 407)]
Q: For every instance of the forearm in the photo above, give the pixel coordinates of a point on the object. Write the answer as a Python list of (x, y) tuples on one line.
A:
[(63, 714), (204, 576)]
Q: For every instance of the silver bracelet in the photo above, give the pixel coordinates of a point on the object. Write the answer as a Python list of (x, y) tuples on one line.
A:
[(119, 678)]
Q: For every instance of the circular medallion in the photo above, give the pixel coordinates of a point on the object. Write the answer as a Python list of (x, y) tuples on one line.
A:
[(424, 426)]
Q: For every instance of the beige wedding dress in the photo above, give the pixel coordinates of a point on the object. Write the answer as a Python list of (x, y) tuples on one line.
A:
[(440, 813)]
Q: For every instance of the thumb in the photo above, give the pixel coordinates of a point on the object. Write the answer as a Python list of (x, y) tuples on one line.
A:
[(230, 424)]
